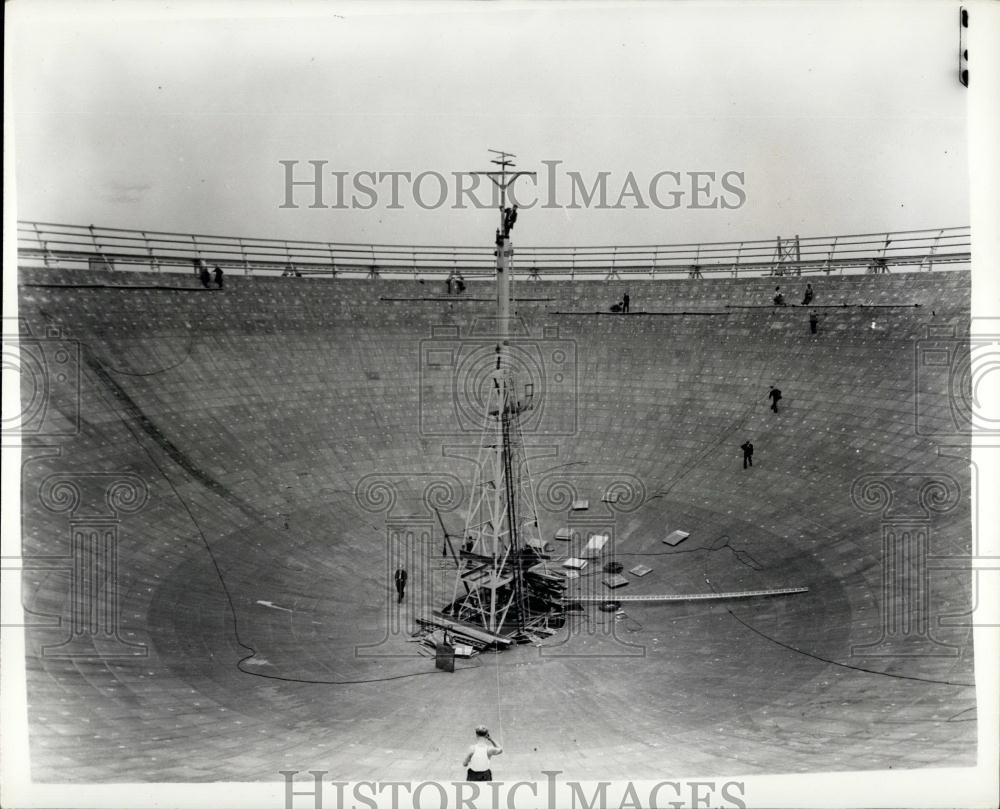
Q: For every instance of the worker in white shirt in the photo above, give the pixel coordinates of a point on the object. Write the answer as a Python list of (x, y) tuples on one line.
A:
[(477, 760)]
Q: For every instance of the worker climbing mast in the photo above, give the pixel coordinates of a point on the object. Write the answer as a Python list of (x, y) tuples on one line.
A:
[(501, 584)]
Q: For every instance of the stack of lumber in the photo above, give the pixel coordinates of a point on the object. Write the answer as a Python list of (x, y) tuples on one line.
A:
[(474, 636)]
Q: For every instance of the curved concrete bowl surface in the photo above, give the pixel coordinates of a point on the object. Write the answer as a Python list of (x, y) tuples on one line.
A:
[(277, 448)]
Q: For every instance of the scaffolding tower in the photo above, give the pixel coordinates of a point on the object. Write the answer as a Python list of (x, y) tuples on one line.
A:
[(502, 583), (787, 255)]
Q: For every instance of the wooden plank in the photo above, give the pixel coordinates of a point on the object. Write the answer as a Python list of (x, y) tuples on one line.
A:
[(547, 571), (461, 628), (476, 576), (696, 596), (540, 546)]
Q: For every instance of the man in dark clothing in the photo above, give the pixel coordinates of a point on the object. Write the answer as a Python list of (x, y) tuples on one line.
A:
[(747, 448), (204, 276), (400, 579), (509, 218), (813, 320), (808, 297), (779, 299), (218, 276), (625, 302), (774, 395)]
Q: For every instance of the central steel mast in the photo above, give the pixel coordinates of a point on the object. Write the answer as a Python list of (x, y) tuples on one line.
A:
[(501, 542)]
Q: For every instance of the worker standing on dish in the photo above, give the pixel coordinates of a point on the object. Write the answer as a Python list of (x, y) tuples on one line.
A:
[(477, 760)]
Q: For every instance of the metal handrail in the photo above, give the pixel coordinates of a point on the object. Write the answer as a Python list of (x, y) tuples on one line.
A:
[(74, 246)]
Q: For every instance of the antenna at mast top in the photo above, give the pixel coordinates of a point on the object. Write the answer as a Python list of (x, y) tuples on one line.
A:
[(505, 157), (503, 177)]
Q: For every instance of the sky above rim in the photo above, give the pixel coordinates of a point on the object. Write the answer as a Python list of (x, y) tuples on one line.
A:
[(791, 118)]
